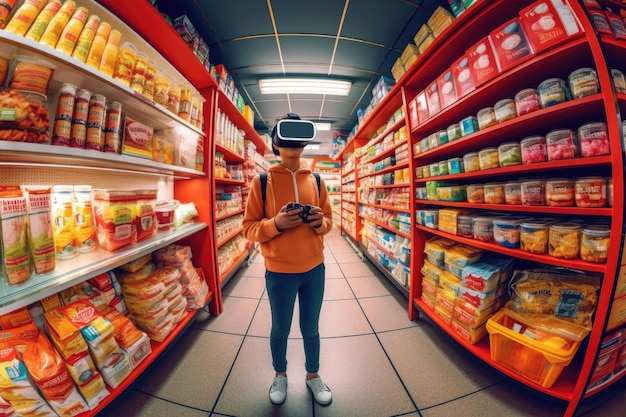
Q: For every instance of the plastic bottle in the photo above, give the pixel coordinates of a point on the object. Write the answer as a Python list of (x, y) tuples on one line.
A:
[(72, 30), (85, 39), (109, 55), (24, 16), (43, 19), (53, 31), (97, 45)]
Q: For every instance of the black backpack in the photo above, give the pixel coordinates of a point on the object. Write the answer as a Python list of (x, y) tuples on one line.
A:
[(263, 178)]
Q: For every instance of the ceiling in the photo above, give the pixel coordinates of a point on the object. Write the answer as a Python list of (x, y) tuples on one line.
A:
[(355, 40)]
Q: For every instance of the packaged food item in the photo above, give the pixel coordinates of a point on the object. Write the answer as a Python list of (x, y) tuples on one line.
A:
[(115, 218), (594, 243), (78, 134), (110, 52), (85, 38), (469, 125), (465, 226), (454, 132), (564, 240), (590, 192), (443, 168), (476, 193), (125, 63), (24, 117), (534, 149), (533, 193), (619, 81), (51, 35), (173, 98), (483, 228), (85, 232), (146, 213), (561, 144), (161, 87), (505, 110), (471, 162), (609, 192), (506, 231), (64, 225), (560, 192), (31, 74), (5, 11), (137, 138), (617, 24), (24, 16), (494, 193), (462, 255), (486, 118), (62, 128), (113, 128), (509, 154), (94, 56), (138, 77), (513, 192), (69, 36), (488, 158), (553, 91), (95, 123), (583, 82), (15, 253), (534, 236), (4, 68), (43, 19), (455, 166), (40, 234), (150, 79), (594, 139), (527, 101)]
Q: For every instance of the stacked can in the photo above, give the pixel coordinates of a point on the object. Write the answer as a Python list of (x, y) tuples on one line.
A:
[(61, 130), (95, 123), (79, 119), (113, 128)]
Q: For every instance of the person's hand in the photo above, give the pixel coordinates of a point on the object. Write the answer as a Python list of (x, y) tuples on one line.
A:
[(316, 216), (286, 219)]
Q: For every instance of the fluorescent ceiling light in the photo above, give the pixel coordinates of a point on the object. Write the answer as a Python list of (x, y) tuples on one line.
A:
[(322, 125), (304, 86)]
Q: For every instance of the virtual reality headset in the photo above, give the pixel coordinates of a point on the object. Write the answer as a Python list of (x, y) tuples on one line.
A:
[(292, 132)]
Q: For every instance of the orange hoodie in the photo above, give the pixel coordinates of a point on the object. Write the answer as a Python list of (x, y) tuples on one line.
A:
[(294, 250)]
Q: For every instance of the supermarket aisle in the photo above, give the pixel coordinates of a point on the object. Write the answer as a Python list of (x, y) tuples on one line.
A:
[(376, 361)]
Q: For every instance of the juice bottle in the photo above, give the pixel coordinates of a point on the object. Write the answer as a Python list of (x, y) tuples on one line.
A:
[(85, 39), (43, 19), (97, 45), (53, 31), (109, 55), (72, 30), (24, 16), (124, 63)]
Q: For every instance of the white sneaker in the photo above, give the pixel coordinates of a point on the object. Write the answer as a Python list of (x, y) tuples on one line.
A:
[(320, 391), (278, 390)]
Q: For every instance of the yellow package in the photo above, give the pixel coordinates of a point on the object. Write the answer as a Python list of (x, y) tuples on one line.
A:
[(64, 334), (462, 255), (135, 264), (436, 246)]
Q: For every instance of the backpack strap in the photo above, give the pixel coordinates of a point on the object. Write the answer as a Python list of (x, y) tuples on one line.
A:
[(263, 179), (319, 183)]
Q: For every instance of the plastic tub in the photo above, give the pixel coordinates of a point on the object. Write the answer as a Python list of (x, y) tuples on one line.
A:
[(534, 236), (455, 166), (590, 192), (488, 158), (483, 228), (564, 240), (583, 82), (509, 154), (486, 118), (527, 101), (505, 110), (443, 168), (471, 162), (561, 144), (454, 132), (494, 193), (469, 125), (533, 149), (619, 81), (594, 244), (476, 193), (560, 192), (533, 193), (165, 213), (465, 226), (513, 192), (552, 91), (506, 232), (593, 139)]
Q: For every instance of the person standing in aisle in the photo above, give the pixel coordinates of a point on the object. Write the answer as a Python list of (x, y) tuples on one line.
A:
[(292, 245)]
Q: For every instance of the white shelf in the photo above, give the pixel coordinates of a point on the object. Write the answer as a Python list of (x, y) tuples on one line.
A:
[(85, 266)]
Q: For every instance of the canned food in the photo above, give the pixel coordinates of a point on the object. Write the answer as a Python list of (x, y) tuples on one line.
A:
[(560, 192), (561, 144), (509, 154), (594, 139), (494, 193), (619, 81), (583, 82), (513, 192), (113, 128), (505, 110), (471, 162), (62, 128), (527, 101), (534, 149), (79, 118), (564, 240), (475, 193), (533, 193), (590, 192), (95, 123), (552, 91), (594, 244), (488, 158), (486, 118), (534, 237)]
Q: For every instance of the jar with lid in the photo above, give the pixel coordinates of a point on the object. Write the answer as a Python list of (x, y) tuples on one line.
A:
[(488, 158), (513, 192), (561, 144), (590, 192), (533, 149), (527, 101), (534, 236), (494, 193), (583, 82), (553, 91), (475, 193), (454, 132), (486, 118), (564, 240), (483, 228), (149, 81), (533, 193), (560, 192), (125, 63), (138, 76), (505, 110), (594, 243), (465, 226), (471, 162), (509, 154), (594, 139)]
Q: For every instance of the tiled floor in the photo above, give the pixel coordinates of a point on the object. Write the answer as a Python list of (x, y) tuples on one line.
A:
[(376, 361)]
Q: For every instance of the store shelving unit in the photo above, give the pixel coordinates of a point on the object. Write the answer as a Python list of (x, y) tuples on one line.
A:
[(349, 203), (330, 172)]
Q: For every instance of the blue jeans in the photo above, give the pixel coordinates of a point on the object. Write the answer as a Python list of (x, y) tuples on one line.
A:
[(282, 290)]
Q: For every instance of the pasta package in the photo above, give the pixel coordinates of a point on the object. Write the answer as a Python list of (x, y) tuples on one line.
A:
[(31, 74), (135, 264), (15, 253)]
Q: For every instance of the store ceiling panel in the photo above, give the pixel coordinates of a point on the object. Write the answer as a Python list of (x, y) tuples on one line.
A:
[(355, 40)]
